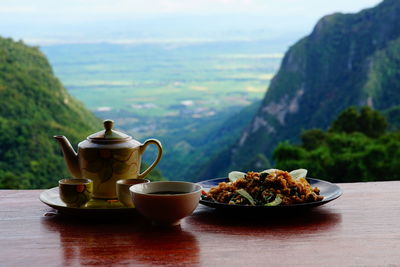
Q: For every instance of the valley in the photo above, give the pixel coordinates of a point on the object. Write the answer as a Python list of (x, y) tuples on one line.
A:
[(179, 93)]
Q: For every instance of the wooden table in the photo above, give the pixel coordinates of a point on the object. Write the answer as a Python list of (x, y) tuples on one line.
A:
[(360, 228)]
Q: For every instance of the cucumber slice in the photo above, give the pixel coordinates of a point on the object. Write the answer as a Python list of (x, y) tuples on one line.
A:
[(233, 176), (276, 202), (299, 173), (246, 195)]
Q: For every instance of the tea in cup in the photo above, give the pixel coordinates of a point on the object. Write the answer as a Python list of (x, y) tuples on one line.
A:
[(123, 193), (166, 203), (75, 192)]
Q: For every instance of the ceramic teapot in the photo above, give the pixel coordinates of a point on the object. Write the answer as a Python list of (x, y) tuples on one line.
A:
[(105, 157)]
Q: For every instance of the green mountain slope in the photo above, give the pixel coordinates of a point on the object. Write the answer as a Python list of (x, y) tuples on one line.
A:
[(221, 136), (191, 143), (348, 59), (34, 106)]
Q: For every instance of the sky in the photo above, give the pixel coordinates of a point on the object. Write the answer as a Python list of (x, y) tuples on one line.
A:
[(69, 21)]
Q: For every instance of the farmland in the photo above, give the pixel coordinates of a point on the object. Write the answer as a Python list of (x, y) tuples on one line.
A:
[(176, 92)]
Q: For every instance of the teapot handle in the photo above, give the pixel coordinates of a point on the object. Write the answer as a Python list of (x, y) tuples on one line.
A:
[(159, 154)]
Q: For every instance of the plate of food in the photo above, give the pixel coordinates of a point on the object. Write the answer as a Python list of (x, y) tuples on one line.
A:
[(269, 189)]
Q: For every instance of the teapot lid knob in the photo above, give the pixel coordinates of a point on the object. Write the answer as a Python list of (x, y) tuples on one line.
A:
[(108, 134), (108, 125)]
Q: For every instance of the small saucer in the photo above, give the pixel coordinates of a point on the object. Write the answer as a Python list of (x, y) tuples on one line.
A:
[(95, 207)]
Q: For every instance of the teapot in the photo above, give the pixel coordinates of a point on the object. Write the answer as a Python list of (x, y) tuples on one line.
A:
[(106, 157)]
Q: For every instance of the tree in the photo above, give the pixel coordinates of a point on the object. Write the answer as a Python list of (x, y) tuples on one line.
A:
[(366, 121), (355, 148)]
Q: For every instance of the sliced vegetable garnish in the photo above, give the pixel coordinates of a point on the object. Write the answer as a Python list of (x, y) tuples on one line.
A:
[(299, 173), (246, 195), (268, 198), (276, 202), (233, 176), (269, 171)]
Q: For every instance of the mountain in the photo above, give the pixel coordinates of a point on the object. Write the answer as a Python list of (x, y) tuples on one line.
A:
[(347, 60), (213, 138), (34, 106)]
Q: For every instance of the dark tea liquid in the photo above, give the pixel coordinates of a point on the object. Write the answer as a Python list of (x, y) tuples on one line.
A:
[(168, 193)]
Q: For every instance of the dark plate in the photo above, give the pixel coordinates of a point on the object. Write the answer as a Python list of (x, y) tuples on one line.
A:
[(328, 190)]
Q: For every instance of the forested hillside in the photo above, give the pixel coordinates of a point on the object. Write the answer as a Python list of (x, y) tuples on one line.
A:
[(347, 60), (34, 106)]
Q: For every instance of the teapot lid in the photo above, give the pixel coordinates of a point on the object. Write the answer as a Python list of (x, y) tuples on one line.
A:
[(109, 135)]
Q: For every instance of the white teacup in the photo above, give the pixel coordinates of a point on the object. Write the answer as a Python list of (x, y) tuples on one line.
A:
[(123, 193), (166, 203)]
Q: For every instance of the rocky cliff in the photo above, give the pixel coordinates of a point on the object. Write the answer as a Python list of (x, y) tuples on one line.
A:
[(348, 59)]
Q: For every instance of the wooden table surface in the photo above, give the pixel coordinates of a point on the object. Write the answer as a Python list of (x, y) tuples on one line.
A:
[(361, 228)]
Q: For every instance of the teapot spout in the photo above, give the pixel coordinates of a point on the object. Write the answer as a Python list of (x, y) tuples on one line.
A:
[(70, 156)]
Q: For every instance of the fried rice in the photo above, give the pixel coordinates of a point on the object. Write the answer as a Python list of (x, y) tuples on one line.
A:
[(268, 189)]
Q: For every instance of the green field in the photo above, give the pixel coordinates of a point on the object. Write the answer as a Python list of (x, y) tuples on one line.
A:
[(169, 91), (151, 79)]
